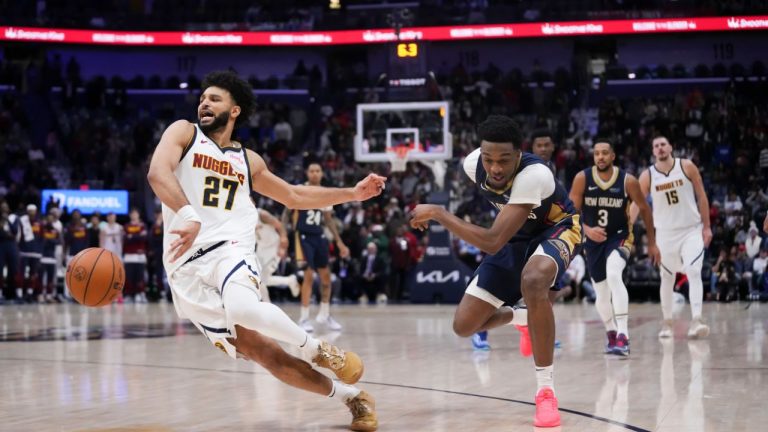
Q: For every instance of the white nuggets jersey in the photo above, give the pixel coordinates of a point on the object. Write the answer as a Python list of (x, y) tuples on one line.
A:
[(674, 202), (217, 183)]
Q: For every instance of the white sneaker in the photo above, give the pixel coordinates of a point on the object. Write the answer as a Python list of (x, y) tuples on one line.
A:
[(666, 329), (363, 299), (306, 324), (294, 285), (330, 323), (381, 298), (698, 329)]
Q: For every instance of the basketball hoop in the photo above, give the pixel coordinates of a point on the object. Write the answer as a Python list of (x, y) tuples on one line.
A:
[(398, 157)]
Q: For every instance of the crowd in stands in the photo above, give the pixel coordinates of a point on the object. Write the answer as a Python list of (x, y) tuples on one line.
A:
[(103, 139)]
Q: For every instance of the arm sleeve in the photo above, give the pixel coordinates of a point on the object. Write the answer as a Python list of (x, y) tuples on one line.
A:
[(534, 184)]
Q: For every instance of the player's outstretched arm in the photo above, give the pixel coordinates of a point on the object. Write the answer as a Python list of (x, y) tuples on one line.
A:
[(306, 197), (637, 197), (489, 240), (167, 187), (692, 172)]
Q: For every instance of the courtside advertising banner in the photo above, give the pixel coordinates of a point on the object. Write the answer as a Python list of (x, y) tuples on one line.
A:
[(87, 201), (368, 36)]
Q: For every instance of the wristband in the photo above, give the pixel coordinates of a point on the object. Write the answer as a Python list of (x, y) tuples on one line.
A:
[(188, 214)]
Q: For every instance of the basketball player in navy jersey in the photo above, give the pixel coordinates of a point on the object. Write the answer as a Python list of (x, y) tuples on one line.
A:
[(603, 194), (529, 247), (311, 248), (542, 146), (204, 180)]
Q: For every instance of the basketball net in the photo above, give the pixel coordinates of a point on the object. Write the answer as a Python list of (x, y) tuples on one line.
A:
[(398, 157)]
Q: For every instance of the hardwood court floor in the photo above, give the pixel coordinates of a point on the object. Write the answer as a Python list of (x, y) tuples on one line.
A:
[(138, 368)]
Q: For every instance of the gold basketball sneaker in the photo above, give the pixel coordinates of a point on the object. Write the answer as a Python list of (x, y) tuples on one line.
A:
[(347, 366), (363, 409)]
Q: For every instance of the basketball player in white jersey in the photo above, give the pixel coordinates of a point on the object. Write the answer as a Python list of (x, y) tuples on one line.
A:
[(681, 217), (204, 180), (271, 247)]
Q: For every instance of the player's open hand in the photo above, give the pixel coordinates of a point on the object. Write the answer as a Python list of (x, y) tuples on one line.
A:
[(765, 224), (706, 233), (596, 234), (343, 250), (422, 214), (654, 254), (187, 233), (369, 187)]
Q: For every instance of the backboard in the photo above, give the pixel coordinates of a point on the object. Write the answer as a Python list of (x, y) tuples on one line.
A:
[(424, 126)]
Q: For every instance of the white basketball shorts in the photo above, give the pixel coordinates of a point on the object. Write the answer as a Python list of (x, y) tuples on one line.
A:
[(680, 248), (200, 285)]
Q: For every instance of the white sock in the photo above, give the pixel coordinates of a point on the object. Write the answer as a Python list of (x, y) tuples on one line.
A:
[(325, 311), (666, 293), (545, 377), (520, 317), (304, 313), (695, 291), (343, 392), (310, 348), (603, 304), (243, 307), (619, 297)]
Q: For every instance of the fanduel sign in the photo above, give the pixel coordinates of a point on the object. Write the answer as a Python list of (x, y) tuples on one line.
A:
[(88, 201)]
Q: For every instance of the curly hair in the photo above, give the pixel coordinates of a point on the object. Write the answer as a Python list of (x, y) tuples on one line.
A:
[(241, 91), (542, 133), (500, 129)]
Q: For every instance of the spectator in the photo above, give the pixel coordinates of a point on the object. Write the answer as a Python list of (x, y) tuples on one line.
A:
[(754, 241), (372, 277), (733, 208), (135, 249), (31, 251), (402, 250), (111, 236), (9, 251), (743, 268), (759, 276), (724, 271), (51, 239), (155, 268)]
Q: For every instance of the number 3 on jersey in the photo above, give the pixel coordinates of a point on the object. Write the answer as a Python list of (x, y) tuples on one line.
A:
[(602, 215), (211, 192), (314, 217)]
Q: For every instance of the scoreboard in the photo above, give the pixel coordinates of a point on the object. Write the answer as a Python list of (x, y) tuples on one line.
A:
[(407, 73)]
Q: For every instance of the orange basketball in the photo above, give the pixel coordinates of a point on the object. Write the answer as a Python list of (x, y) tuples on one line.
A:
[(95, 277)]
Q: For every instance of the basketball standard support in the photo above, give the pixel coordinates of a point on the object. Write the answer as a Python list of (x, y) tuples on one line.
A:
[(440, 277)]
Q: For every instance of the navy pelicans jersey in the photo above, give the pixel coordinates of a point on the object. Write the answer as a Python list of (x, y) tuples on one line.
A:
[(674, 200), (217, 183), (310, 221), (551, 206), (606, 203)]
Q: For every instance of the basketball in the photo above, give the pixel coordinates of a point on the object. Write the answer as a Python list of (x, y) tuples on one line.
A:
[(95, 277)]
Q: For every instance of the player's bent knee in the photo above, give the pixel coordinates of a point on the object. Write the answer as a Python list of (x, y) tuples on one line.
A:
[(535, 285), (463, 328)]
